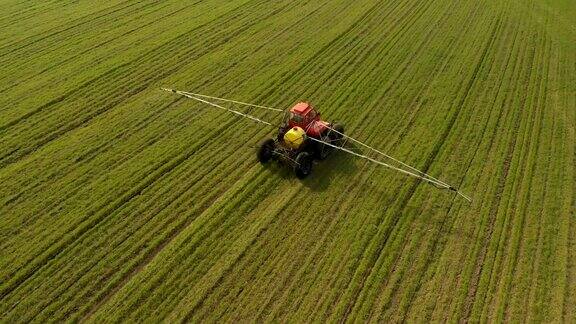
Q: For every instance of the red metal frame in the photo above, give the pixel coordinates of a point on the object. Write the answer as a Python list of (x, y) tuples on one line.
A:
[(305, 116)]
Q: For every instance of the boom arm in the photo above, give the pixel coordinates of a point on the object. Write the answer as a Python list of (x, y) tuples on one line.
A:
[(413, 172)]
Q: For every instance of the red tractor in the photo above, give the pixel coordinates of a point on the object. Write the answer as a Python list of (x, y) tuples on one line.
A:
[(301, 139)]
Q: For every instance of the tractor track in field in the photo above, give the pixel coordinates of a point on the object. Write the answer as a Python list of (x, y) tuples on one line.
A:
[(541, 83), (147, 258), (289, 284), (343, 62), (347, 58), (328, 308), (395, 37), (291, 75), (277, 257), (431, 257), (493, 137), (492, 219), (533, 144), (413, 13), (404, 202), (240, 260), (194, 239), (410, 122), (192, 309)]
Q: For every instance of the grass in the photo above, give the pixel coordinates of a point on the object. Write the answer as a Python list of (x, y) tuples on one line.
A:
[(122, 202)]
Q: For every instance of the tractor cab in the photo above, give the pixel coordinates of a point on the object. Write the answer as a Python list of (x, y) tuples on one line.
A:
[(303, 115), (301, 138)]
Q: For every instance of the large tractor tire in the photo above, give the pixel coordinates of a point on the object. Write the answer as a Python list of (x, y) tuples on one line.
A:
[(303, 166), (266, 151), (281, 131), (322, 151), (337, 136)]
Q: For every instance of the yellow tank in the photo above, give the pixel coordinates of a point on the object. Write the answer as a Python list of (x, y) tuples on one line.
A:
[(294, 137)]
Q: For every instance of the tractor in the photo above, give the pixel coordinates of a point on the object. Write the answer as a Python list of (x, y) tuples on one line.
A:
[(301, 139), (304, 137)]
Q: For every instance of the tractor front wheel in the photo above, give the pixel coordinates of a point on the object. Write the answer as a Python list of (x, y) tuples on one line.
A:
[(323, 150), (303, 166), (339, 134), (266, 151), (336, 134)]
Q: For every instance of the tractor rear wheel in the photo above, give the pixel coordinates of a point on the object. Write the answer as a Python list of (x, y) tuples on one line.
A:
[(281, 131), (322, 150), (266, 151), (303, 166), (339, 134)]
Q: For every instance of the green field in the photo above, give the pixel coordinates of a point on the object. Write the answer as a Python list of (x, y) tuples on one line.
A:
[(121, 202)]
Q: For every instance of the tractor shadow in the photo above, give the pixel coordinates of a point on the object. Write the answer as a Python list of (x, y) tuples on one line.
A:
[(337, 164), (279, 169)]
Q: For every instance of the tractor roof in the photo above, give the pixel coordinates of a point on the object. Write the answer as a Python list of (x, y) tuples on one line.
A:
[(301, 108)]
